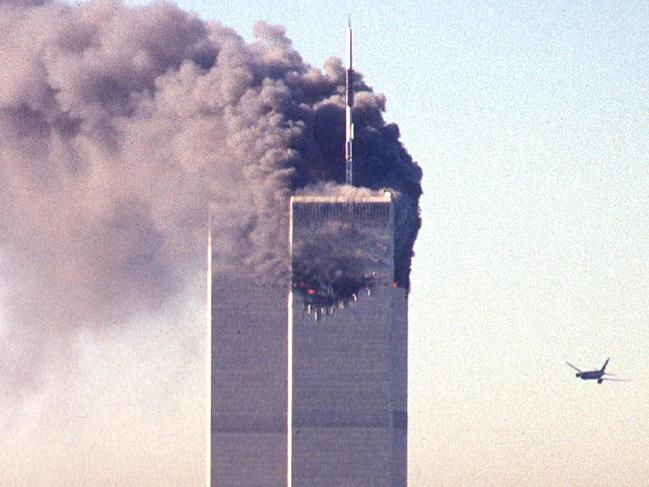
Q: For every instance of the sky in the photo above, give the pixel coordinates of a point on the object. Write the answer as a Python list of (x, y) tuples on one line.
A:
[(529, 122)]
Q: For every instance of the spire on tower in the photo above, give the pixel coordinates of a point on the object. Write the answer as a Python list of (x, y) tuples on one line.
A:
[(349, 103)]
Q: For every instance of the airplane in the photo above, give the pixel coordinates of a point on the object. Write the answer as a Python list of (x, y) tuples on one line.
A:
[(594, 374)]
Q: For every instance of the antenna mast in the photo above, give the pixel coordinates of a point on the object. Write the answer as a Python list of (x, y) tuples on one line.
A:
[(349, 103)]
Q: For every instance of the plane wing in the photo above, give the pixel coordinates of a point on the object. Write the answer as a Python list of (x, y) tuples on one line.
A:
[(578, 370), (616, 380)]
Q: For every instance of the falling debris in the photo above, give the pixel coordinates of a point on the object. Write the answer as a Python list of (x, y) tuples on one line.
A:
[(322, 295)]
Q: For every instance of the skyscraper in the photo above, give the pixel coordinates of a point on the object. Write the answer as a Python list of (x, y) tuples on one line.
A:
[(347, 338), (248, 376), (309, 374)]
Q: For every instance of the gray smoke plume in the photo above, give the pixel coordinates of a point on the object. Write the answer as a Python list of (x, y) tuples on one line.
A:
[(118, 126)]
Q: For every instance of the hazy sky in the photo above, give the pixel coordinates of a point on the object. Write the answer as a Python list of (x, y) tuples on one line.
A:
[(529, 120)]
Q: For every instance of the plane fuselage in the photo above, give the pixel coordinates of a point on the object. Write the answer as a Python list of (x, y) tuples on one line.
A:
[(591, 374)]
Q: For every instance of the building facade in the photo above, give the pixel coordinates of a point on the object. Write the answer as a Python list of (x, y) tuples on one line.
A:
[(248, 381), (348, 345), (309, 377)]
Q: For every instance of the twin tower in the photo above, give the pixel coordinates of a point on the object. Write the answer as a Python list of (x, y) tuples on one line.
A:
[(309, 377)]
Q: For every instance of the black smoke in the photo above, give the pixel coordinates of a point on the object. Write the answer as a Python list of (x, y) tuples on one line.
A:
[(117, 127)]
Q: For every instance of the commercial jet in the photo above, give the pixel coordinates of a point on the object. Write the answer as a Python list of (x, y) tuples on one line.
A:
[(597, 375)]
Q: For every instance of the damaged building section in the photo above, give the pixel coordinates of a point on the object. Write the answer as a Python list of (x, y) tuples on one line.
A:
[(340, 249), (347, 350)]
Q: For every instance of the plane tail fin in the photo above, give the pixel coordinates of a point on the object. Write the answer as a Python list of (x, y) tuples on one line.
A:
[(605, 364)]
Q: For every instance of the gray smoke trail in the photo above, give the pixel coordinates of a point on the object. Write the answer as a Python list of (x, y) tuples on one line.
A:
[(118, 126)]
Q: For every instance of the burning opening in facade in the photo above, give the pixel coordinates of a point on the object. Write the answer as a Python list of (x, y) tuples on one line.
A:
[(340, 250)]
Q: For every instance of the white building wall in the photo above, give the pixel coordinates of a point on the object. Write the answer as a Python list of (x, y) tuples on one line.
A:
[(249, 372), (348, 379), (349, 384)]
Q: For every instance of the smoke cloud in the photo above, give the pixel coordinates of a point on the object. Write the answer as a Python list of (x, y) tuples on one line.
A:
[(118, 126)]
